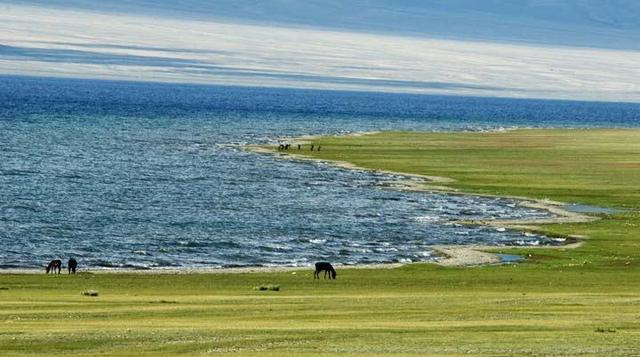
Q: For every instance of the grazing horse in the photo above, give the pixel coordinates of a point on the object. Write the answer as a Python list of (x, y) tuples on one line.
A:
[(54, 265), (327, 268), (73, 264)]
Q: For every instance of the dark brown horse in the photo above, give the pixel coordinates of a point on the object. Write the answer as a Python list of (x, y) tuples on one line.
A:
[(54, 265), (73, 264), (327, 268)]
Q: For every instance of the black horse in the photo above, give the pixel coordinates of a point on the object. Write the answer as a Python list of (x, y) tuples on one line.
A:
[(73, 264), (327, 268), (54, 265)]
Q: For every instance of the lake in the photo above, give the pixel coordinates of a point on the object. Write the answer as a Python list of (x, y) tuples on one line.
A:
[(144, 175)]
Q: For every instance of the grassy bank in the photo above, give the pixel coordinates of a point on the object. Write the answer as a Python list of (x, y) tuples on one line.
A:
[(417, 309), (559, 302), (598, 167)]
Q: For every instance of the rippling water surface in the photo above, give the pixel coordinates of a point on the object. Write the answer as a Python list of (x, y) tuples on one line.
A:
[(148, 175)]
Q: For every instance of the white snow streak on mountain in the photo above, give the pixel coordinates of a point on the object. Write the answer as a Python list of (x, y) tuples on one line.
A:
[(223, 49)]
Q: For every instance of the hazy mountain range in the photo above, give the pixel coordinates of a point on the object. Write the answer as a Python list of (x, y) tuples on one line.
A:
[(576, 49)]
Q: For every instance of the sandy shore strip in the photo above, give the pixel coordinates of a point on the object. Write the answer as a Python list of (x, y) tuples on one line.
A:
[(465, 255), (474, 255), (448, 256), (212, 270), (454, 255)]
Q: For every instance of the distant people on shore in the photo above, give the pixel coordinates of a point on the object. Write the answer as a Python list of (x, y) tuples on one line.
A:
[(327, 268), (284, 146)]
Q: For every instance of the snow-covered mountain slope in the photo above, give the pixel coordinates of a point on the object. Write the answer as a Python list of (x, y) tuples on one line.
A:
[(592, 23), (581, 49)]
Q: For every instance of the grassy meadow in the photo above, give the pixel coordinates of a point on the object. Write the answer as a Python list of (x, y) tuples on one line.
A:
[(583, 301)]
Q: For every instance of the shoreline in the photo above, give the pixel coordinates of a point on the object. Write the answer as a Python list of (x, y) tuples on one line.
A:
[(456, 255), (448, 255), (212, 270), (553, 207)]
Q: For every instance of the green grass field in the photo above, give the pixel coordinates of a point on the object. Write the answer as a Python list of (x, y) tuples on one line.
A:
[(561, 302)]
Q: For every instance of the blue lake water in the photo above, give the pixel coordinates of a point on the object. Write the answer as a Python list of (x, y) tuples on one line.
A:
[(121, 174)]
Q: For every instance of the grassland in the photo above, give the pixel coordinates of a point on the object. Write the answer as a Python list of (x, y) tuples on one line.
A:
[(584, 301)]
